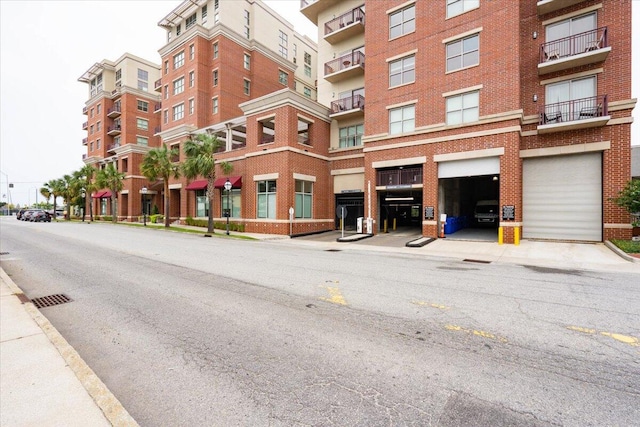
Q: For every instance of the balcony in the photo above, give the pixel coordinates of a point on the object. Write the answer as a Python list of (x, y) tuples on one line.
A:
[(114, 111), (85, 141), (344, 26), (85, 125), (84, 157), (585, 48), (85, 110), (399, 177), (157, 107), (347, 108), (576, 114), (158, 85), (548, 6), (344, 67), (312, 8), (114, 130), (157, 130), (112, 147), (267, 139)]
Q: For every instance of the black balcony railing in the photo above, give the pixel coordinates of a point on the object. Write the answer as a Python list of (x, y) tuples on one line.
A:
[(114, 111), (355, 102), (157, 107), (344, 62), (84, 141), (85, 125), (355, 15), (157, 129), (574, 45), (85, 110), (157, 84), (113, 146), (266, 138), (406, 176), (114, 128), (576, 109)]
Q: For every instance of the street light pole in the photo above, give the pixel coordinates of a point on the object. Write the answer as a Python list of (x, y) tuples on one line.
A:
[(228, 186), (144, 209)]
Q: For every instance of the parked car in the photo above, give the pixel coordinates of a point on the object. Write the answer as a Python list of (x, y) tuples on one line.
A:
[(20, 213), (486, 212), (40, 216)]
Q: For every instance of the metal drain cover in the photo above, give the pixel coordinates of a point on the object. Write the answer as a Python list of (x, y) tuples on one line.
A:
[(50, 300), (4, 253)]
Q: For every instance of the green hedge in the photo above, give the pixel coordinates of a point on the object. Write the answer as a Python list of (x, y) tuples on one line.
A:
[(233, 226)]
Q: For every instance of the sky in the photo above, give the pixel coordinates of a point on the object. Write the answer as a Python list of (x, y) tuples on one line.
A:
[(45, 46)]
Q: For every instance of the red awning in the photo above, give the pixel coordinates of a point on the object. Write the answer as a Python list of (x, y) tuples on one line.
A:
[(97, 194), (199, 184), (236, 182), (106, 194)]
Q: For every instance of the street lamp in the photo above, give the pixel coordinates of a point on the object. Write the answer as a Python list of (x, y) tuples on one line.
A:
[(144, 210), (84, 202), (228, 186)]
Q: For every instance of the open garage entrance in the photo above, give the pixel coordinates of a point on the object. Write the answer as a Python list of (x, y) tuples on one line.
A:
[(400, 210), (353, 203), (469, 193)]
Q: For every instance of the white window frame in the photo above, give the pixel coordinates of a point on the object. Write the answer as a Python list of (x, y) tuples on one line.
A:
[(178, 60), (142, 124), (404, 69), (192, 106), (462, 54), (405, 117), (267, 207), (406, 24), (303, 199), (247, 61), (453, 7), (215, 105), (178, 86), (178, 112), (468, 103)]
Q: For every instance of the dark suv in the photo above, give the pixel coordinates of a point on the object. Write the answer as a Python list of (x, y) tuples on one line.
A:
[(40, 216)]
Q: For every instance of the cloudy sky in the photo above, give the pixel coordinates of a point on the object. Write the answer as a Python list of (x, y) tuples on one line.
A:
[(46, 45)]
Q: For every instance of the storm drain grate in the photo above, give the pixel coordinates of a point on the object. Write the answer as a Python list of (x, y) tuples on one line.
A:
[(50, 300), (333, 250), (4, 253), (479, 261)]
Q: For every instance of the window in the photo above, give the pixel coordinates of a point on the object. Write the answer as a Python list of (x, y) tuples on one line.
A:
[(215, 77), (142, 124), (463, 53), (283, 78), (166, 116), (307, 58), (96, 85), (568, 28), (192, 78), (247, 87), (304, 199), (178, 112), (98, 144), (143, 80), (192, 106), (402, 71), (98, 109), (463, 108), (216, 11), (247, 61), (402, 120), (307, 92), (204, 13), (233, 202), (98, 126), (402, 22), (215, 105), (124, 163), (116, 141), (215, 51), (166, 91), (178, 86), (351, 136), (307, 70), (266, 199), (304, 128), (91, 130), (91, 146), (247, 21), (143, 105), (178, 29), (568, 98), (192, 52), (118, 75), (178, 60), (91, 115), (283, 44), (202, 203), (190, 22), (166, 67), (456, 7), (141, 140)]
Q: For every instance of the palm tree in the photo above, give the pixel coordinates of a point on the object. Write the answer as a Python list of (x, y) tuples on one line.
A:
[(110, 178), (157, 163), (68, 193), (56, 188), (200, 160), (86, 177), (46, 193)]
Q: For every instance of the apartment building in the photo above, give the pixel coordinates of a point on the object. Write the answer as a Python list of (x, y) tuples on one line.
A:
[(120, 125), (218, 57), (527, 104)]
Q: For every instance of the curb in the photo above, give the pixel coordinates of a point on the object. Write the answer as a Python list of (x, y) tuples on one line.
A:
[(620, 252), (110, 406)]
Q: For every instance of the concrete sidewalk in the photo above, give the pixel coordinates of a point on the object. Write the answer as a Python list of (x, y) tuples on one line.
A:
[(43, 380)]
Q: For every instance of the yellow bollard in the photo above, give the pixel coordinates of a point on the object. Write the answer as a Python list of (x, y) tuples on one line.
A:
[(394, 224), (500, 235), (385, 225), (516, 236)]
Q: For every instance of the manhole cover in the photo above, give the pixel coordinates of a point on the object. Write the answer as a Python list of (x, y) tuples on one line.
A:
[(50, 300)]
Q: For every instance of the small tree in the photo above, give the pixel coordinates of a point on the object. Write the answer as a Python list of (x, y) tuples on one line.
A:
[(200, 151), (85, 177), (629, 198), (110, 178), (158, 163)]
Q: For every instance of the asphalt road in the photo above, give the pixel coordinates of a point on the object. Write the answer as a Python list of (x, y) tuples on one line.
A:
[(193, 331)]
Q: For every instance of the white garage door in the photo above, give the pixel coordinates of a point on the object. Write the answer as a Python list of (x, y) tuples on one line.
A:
[(562, 197)]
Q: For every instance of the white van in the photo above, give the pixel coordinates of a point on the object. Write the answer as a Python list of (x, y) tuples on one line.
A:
[(486, 212)]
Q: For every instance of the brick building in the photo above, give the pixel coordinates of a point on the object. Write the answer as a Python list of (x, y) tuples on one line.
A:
[(524, 103), (511, 115)]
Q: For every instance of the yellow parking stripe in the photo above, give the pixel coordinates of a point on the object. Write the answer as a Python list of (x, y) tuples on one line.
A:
[(336, 296), (428, 304), (478, 333), (625, 339)]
